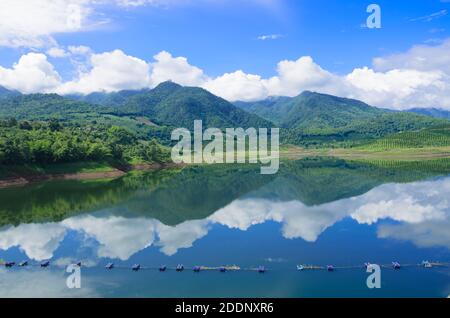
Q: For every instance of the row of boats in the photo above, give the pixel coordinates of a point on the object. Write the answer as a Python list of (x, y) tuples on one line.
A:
[(331, 268), (260, 269)]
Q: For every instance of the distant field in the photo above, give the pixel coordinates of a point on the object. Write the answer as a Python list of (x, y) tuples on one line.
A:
[(427, 138)]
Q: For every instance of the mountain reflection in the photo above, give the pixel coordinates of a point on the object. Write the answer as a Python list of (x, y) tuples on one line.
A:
[(170, 210)]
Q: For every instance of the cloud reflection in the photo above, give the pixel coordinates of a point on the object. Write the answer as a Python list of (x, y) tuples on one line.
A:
[(422, 210)]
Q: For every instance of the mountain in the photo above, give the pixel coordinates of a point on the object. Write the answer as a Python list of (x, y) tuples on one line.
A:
[(311, 109), (5, 93), (170, 104), (317, 119), (432, 112), (45, 106), (167, 105)]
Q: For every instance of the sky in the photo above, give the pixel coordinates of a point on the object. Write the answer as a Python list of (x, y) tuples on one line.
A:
[(237, 49)]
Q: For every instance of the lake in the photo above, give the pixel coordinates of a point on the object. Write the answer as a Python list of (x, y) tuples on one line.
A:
[(314, 211)]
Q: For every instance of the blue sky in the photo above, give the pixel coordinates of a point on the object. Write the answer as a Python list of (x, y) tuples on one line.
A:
[(219, 37)]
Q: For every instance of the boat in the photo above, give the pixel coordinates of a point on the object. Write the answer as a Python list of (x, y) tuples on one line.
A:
[(179, 268), (197, 269), (162, 268), (261, 269), (136, 267), (45, 264), (10, 264), (109, 266), (396, 265), (222, 269), (78, 264), (23, 264), (300, 267), (330, 268), (427, 264)]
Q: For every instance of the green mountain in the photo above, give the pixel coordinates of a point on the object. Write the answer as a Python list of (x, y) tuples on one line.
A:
[(170, 104), (4, 92), (167, 105), (432, 112), (45, 106), (313, 119)]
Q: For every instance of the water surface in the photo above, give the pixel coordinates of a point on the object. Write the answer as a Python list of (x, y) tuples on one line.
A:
[(314, 211)]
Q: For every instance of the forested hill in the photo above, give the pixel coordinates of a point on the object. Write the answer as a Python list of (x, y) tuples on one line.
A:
[(170, 104), (4, 92), (432, 112), (319, 119)]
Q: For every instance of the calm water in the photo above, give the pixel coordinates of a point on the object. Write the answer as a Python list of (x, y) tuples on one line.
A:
[(313, 211)]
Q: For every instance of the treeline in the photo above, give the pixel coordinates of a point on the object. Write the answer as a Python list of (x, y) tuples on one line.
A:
[(51, 142)]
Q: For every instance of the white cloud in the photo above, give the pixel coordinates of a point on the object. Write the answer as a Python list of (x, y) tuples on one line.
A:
[(32, 73), (57, 52), (176, 69), (31, 23), (237, 86), (111, 71), (419, 77), (432, 16), (269, 37), (79, 50), (118, 237), (419, 57), (38, 241)]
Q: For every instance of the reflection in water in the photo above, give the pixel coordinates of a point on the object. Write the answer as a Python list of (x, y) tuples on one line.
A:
[(171, 210)]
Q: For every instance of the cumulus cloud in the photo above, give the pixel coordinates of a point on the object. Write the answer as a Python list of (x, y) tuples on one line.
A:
[(110, 71), (177, 69), (37, 241), (32, 73), (419, 77)]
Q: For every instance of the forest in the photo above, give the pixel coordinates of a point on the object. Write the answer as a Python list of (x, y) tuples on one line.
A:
[(48, 142)]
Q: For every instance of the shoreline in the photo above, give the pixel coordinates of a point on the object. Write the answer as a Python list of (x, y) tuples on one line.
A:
[(22, 180), (290, 153)]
